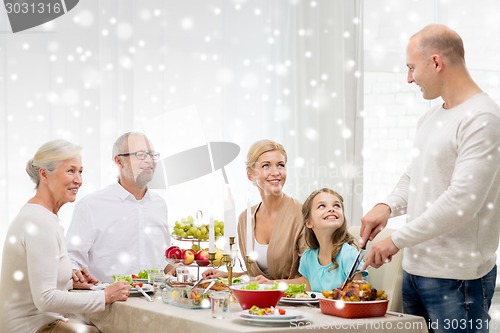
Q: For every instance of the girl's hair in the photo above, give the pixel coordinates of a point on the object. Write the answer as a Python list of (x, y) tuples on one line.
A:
[(339, 237), (260, 147), (49, 156)]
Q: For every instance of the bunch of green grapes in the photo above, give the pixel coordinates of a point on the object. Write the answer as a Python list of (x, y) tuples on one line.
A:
[(187, 229)]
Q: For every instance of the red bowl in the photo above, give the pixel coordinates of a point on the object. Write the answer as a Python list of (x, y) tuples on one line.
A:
[(262, 298), (353, 309)]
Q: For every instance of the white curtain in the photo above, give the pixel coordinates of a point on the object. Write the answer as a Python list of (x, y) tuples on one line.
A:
[(187, 73)]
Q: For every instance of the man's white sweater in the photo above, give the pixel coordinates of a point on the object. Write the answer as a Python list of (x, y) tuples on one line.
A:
[(451, 193)]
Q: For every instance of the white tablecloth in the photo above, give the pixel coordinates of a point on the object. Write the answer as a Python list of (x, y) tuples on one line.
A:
[(138, 315)]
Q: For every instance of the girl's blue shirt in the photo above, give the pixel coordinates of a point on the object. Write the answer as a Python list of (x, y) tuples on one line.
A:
[(321, 277)]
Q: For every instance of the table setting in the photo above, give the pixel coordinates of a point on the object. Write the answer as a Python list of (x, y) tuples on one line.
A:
[(233, 310)]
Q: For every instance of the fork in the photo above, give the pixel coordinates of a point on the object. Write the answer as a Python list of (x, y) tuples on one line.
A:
[(144, 293)]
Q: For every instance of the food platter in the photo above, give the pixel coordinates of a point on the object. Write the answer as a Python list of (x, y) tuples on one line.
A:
[(311, 299), (269, 320)]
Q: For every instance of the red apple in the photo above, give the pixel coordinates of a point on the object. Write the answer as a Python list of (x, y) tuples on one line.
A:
[(187, 256), (174, 253), (201, 258)]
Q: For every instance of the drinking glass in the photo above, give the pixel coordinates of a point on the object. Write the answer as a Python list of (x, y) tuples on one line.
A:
[(219, 301), (157, 280), (182, 274)]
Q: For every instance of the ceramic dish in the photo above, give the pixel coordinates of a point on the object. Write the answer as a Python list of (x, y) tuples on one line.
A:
[(265, 321), (290, 314), (353, 309)]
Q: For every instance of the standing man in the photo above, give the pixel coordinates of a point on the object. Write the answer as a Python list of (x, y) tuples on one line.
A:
[(450, 193), (123, 228)]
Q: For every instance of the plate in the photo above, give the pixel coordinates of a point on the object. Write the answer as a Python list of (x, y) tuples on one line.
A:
[(302, 300), (100, 286), (140, 280), (267, 321), (290, 314), (146, 287)]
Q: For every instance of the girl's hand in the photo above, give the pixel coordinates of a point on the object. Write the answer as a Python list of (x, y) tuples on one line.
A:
[(117, 291)]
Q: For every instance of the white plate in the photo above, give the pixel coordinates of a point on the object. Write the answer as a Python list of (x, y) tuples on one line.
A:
[(146, 287), (302, 300), (267, 321), (100, 286), (289, 314)]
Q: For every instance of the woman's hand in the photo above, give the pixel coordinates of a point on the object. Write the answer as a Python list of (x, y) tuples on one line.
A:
[(170, 269), (82, 279), (212, 273), (117, 291), (262, 279)]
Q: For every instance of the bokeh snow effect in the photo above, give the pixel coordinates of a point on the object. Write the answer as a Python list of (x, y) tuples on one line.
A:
[(231, 71)]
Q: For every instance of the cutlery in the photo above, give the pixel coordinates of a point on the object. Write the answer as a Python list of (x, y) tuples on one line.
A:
[(197, 283), (144, 293), (354, 267), (209, 286)]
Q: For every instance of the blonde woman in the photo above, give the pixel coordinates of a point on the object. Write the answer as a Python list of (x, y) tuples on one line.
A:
[(278, 232), (36, 268)]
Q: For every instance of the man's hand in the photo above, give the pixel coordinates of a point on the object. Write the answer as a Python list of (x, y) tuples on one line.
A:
[(380, 253), (374, 222)]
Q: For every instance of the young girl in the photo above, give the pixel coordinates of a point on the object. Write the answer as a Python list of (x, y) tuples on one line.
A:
[(332, 250)]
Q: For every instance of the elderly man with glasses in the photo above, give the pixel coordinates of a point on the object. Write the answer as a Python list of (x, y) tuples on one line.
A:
[(123, 228)]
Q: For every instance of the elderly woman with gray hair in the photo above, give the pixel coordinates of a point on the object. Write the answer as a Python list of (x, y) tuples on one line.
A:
[(36, 268)]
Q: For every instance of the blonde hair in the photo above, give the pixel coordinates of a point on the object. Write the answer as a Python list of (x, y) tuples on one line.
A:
[(49, 156), (339, 237), (260, 147)]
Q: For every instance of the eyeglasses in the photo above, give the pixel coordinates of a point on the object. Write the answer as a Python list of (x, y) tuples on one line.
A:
[(141, 155)]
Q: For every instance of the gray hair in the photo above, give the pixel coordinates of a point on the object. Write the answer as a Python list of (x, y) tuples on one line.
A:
[(49, 156), (121, 144)]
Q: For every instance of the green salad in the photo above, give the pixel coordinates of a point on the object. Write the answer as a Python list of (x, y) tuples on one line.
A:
[(144, 274), (236, 280), (294, 289), (127, 278), (255, 286)]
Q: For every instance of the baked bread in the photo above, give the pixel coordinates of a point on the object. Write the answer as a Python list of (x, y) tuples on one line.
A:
[(218, 286)]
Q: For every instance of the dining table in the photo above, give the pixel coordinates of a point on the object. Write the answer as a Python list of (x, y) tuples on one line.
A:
[(137, 314)]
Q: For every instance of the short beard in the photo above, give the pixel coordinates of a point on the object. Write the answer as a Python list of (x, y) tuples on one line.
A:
[(143, 178)]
